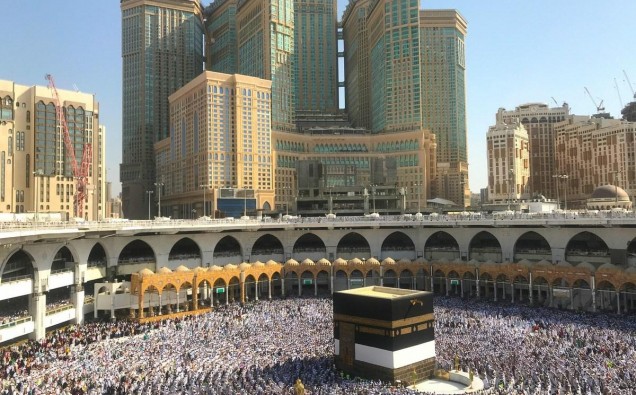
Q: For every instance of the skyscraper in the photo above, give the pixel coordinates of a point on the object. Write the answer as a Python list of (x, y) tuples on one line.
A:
[(162, 50), (266, 50), (221, 35), (405, 70), (315, 55), (356, 57), (442, 34)]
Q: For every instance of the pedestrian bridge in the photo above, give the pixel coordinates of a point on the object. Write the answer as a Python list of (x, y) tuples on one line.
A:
[(582, 261)]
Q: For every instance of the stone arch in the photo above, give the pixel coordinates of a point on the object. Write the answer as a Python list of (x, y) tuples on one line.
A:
[(356, 279), (309, 246), (533, 247), (137, 250), (398, 245), (441, 246), (97, 256), (63, 260), (250, 287), (228, 249), (307, 283), (390, 278), (353, 245), (267, 247), (407, 278), (587, 247), (19, 265), (187, 252), (483, 247)]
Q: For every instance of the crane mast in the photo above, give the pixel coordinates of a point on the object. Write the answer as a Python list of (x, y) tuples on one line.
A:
[(80, 171)]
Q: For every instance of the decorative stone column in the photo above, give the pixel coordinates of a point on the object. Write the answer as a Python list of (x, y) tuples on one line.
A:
[(530, 288), (77, 297), (37, 309)]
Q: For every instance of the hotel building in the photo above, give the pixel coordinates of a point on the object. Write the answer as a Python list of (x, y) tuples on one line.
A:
[(508, 162), (36, 175), (593, 152), (220, 128)]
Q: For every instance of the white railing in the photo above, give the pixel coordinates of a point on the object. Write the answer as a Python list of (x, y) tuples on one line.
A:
[(12, 229)]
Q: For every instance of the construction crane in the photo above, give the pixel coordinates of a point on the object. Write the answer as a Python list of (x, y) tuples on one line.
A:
[(599, 106), (630, 84), (80, 172), (620, 99)]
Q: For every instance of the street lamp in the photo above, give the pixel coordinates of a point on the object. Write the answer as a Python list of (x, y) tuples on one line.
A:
[(561, 177), (204, 187), (373, 195), (511, 175), (556, 177), (159, 185), (244, 202), (418, 185), (36, 174), (194, 213), (149, 193), (616, 173)]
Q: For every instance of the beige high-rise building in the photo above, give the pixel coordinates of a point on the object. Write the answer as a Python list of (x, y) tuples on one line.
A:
[(221, 138), (539, 120), (593, 152), (508, 162), (36, 174)]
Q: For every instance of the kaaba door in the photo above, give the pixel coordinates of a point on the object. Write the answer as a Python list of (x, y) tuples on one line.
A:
[(347, 343)]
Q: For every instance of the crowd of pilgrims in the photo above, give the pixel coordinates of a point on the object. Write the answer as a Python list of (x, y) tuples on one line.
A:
[(264, 347)]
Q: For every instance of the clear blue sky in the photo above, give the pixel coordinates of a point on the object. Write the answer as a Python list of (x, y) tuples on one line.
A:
[(517, 52)]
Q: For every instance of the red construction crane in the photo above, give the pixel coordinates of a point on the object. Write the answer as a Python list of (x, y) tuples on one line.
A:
[(80, 172)]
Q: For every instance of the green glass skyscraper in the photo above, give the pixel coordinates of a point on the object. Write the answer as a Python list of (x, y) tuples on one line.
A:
[(221, 35), (315, 55), (442, 35), (266, 50), (162, 50)]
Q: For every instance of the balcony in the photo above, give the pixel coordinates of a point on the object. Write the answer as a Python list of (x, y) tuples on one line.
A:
[(15, 329), (17, 286)]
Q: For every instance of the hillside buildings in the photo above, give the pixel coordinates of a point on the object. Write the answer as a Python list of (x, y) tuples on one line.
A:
[(36, 175)]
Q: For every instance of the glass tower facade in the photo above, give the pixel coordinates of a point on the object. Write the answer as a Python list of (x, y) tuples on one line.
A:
[(266, 50), (162, 50), (442, 35), (221, 34), (315, 55)]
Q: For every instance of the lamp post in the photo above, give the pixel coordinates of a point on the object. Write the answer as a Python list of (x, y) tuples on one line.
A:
[(194, 213), (149, 193), (616, 173), (556, 177), (373, 195), (511, 174), (204, 187), (37, 174), (565, 196), (418, 185), (159, 185), (562, 177), (244, 202)]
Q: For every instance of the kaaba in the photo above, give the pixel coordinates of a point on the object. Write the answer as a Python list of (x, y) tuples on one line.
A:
[(384, 334)]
